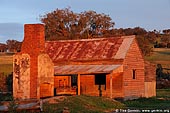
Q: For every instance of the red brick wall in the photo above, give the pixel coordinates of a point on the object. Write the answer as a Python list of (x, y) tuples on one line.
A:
[(34, 39), (134, 60), (33, 44)]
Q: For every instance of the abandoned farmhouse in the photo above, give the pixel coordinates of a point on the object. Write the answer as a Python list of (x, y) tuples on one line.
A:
[(112, 67)]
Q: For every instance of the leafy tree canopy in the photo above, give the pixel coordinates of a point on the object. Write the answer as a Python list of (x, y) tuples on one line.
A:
[(65, 24), (13, 45)]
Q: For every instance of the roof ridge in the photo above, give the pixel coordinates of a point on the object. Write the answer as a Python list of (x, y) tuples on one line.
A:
[(93, 39)]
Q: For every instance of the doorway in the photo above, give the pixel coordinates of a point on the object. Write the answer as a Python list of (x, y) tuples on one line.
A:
[(100, 80)]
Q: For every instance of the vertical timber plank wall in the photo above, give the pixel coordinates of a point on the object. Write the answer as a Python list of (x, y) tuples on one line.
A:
[(117, 85), (88, 86), (133, 88), (150, 79)]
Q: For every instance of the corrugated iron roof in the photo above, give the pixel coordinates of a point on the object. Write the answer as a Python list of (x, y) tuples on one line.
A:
[(84, 69), (89, 49)]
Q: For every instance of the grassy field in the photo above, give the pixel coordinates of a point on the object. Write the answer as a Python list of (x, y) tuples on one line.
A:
[(92, 104), (6, 63), (5, 59), (6, 68), (160, 56), (89, 104), (161, 101), (84, 104), (163, 93)]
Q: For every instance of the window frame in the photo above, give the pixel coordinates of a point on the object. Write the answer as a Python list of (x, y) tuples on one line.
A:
[(133, 74)]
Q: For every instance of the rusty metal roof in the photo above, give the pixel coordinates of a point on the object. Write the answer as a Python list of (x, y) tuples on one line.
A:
[(84, 69), (89, 49)]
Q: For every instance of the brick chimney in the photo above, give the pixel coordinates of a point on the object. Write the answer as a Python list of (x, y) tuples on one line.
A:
[(34, 39), (32, 66)]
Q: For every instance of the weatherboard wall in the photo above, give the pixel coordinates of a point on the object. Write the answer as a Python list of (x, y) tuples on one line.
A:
[(133, 86), (150, 79)]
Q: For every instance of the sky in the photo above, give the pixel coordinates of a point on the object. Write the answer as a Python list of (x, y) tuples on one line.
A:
[(148, 14)]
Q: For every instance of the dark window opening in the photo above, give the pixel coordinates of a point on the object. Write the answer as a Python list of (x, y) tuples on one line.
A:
[(100, 79), (134, 73), (73, 80)]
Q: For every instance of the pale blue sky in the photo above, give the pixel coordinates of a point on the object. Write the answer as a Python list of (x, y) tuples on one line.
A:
[(148, 14)]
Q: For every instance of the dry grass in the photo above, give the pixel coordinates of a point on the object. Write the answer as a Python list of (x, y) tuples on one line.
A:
[(6, 64), (6, 68), (160, 56), (6, 59), (162, 49)]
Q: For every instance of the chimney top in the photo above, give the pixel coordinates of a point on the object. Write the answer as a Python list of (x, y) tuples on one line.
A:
[(34, 38)]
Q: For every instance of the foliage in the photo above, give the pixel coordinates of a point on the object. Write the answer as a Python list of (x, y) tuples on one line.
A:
[(160, 57), (13, 45), (10, 46), (165, 39), (9, 82), (65, 24), (89, 104), (166, 31), (148, 103), (6, 97), (12, 106), (163, 93), (6, 83), (3, 47), (144, 45), (161, 101), (159, 71)]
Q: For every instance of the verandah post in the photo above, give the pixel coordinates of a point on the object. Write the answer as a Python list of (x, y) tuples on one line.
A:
[(110, 85), (78, 84)]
